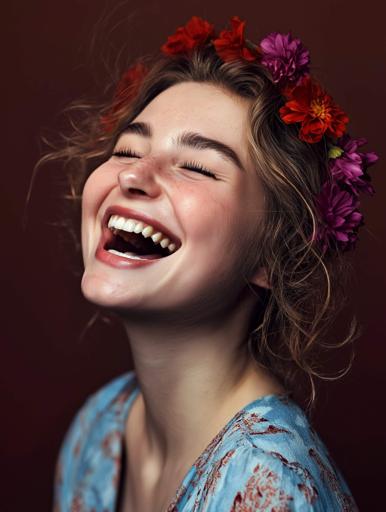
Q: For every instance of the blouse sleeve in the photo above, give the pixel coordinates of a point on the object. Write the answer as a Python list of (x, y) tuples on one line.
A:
[(68, 459), (78, 448), (250, 479)]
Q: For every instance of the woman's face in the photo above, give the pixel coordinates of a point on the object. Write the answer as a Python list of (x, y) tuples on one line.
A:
[(212, 219)]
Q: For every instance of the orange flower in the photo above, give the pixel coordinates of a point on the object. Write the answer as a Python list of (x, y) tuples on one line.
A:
[(195, 33), (231, 44), (318, 114), (128, 86)]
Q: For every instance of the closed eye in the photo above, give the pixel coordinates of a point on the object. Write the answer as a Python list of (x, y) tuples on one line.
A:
[(195, 166), (192, 166), (125, 153)]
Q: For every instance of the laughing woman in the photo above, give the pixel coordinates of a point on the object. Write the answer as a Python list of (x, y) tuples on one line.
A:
[(219, 194)]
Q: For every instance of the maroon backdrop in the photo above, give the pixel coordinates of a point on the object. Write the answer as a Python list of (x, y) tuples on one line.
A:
[(46, 369)]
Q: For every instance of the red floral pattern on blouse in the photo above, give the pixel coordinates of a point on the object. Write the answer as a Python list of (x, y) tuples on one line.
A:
[(266, 458), (262, 492)]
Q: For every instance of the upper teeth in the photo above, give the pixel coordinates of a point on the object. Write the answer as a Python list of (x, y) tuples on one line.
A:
[(136, 226)]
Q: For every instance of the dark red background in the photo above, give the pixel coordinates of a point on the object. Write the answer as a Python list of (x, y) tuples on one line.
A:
[(46, 369)]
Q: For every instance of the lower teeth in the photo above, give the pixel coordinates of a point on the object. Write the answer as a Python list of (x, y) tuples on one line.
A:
[(128, 255)]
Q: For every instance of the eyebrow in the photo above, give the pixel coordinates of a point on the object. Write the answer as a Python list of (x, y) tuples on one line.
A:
[(190, 139)]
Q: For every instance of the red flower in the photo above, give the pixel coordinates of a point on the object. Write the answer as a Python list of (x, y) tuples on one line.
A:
[(311, 106), (231, 44), (129, 83), (127, 88), (195, 33)]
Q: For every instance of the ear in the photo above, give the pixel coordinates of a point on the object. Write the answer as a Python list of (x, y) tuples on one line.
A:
[(260, 278)]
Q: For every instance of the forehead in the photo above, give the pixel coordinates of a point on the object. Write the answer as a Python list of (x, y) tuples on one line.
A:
[(200, 107)]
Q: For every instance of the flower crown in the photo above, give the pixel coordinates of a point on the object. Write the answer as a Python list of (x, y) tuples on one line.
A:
[(307, 104)]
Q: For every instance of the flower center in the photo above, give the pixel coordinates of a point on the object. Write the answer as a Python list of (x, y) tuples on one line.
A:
[(319, 109)]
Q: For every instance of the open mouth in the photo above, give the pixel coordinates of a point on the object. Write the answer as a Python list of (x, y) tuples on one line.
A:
[(132, 239), (134, 245)]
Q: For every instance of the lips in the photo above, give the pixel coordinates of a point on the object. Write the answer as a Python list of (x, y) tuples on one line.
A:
[(129, 213)]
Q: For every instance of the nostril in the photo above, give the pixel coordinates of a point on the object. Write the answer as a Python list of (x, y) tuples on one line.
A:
[(137, 191)]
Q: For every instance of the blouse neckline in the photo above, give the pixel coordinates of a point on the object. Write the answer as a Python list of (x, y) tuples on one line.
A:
[(241, 413)]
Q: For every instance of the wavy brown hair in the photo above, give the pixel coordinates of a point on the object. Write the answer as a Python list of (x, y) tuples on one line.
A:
[(287, 334)]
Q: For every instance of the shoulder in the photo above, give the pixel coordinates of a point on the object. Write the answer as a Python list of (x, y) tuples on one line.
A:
[(96, 418), (99, 402), (272, 458)]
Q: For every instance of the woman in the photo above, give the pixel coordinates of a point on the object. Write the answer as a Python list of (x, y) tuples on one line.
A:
[(213, 226)]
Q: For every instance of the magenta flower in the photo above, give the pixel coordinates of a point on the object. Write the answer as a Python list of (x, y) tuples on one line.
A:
[(340, 218), (285, 57), (350, 165)]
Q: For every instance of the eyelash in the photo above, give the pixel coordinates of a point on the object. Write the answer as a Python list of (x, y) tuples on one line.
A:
[(192, 165)]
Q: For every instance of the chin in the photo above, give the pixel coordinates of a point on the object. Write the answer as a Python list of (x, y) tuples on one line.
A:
[(99, 291), (103, 291)]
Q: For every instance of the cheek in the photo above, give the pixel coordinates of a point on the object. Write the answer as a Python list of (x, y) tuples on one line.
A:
[(97, 186), (210, 215), (199, 211), (94, 192)]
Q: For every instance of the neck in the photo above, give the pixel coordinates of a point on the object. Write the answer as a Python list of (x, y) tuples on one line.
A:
[(193, 377)]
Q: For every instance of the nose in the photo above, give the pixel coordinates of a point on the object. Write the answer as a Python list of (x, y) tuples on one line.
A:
[(140, 179)]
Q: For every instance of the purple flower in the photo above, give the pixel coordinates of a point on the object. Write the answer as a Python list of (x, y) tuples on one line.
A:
[(350, 166), (285, 57), (340, 217)]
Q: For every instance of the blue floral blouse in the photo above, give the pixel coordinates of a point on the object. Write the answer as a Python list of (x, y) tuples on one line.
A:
[(266, 458)]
